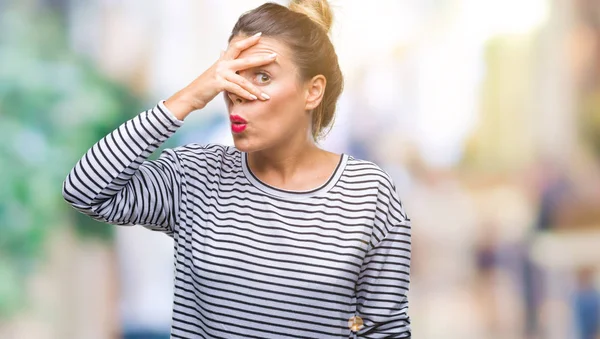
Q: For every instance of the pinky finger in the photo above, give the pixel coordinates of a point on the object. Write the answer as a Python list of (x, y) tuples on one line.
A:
[(239, 91)]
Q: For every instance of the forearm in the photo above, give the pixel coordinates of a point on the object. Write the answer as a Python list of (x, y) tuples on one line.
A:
[(109, 166)]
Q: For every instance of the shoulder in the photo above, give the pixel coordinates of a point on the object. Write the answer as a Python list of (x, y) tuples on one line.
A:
[(387, 193), (367, 170)]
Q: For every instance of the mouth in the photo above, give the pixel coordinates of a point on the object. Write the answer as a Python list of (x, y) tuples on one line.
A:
[(238, 124)]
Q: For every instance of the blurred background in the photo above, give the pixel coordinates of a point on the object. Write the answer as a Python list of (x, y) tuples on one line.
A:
[(485, 112)]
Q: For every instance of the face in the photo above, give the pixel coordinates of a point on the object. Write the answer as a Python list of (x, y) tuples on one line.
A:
[(281, 119)]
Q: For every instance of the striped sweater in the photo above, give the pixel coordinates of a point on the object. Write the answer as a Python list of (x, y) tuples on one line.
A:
[(252, 260)]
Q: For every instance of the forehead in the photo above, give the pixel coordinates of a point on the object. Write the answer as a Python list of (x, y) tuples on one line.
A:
[(266, 45)]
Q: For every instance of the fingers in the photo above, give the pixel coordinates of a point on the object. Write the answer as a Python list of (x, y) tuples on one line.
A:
[(246, 85), (234, 83), (234, 49), (236, 89), (254, 61)]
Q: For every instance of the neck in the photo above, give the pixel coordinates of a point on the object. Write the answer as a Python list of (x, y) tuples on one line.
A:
[(282, 162)]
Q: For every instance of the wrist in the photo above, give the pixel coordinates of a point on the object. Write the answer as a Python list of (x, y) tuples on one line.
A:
[(180, 106)]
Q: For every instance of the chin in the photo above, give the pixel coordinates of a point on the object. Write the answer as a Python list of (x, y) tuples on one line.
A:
[(245, 144), (243, 147), (249, 144)]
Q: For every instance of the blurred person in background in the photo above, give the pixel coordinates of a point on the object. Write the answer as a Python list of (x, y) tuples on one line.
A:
[(551, 186), (275, 237), (568, 196), (587, 304)]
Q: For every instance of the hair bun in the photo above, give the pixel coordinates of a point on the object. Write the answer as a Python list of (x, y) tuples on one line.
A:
[(318, 11)]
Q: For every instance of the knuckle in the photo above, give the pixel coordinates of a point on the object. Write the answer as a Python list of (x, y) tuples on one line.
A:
[(238, 45), (219, 68), (221, 83)]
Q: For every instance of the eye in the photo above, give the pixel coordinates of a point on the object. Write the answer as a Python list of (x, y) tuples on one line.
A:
[(262, 78)]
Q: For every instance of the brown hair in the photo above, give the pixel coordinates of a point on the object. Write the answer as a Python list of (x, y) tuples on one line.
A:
[(304, 28)]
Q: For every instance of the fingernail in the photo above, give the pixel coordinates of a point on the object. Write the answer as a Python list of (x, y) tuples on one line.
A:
[(257, 34), (254, 97), (265, 95), (272, 55)]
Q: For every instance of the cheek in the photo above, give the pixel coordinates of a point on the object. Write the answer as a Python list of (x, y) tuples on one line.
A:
[(286, 96), (284, 112)]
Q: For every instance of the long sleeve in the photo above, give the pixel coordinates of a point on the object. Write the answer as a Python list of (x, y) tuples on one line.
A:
[(115, 183), (383, 283)]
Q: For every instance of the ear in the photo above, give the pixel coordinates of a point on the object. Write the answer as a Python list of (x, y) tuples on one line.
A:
[(315, 89)]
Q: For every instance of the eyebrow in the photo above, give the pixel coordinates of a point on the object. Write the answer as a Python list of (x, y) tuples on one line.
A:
[(271, 64)]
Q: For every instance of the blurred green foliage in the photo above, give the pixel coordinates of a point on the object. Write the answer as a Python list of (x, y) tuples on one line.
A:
[(54, 105)]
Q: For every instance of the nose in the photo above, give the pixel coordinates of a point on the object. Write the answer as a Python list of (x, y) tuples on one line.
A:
[(235, 98)]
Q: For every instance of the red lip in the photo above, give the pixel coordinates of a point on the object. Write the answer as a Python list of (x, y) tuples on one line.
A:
[(238, 124), (237, 119)]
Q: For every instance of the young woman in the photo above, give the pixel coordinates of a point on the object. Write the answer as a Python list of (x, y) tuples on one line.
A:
[(275, 237)]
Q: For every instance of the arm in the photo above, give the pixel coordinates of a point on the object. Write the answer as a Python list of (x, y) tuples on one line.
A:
[(114, 182), (383, 283)]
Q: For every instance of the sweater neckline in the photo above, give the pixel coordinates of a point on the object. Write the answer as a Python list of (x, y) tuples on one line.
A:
[(294, 194)]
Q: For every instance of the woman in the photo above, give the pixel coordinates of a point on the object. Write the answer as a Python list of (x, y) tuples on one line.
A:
[(275, 237)]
